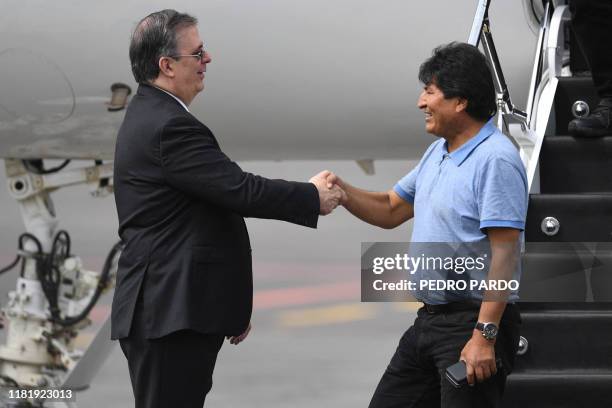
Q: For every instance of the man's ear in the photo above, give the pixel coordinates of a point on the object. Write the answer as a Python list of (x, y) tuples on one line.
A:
[(166, 66), (462, 105)]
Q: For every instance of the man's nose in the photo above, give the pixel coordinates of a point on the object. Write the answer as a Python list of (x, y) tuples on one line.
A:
[(421, 103), (207, 58)]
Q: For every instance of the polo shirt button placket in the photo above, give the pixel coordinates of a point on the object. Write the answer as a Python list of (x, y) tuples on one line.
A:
[(440, 167), (443, 163)]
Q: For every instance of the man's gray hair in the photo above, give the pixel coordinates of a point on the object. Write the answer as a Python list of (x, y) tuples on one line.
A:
[(153, 38)]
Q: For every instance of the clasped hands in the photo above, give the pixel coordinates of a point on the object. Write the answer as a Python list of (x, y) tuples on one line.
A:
[(331, 194)]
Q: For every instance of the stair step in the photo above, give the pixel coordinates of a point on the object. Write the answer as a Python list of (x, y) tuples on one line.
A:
[(582, 217), (570, 90), (564, 307), (566, 272), (566, 339), (559, 389), (553, 277), (576, 165)]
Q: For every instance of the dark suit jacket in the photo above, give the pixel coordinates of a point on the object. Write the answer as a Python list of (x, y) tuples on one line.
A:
[(181, 204)]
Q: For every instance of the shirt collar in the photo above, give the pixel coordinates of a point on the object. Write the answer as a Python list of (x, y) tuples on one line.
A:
[(177, 99), (462, 153)]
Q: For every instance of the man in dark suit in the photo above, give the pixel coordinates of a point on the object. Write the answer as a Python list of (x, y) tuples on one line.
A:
[(184, 279)]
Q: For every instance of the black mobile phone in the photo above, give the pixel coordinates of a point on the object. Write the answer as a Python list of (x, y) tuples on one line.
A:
[(457, 374)]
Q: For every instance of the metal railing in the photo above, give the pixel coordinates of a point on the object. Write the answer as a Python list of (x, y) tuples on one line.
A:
[(527, 128)]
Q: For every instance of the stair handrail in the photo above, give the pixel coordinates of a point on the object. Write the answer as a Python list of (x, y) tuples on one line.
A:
[(544, 83), (527, 128), (481, 32)]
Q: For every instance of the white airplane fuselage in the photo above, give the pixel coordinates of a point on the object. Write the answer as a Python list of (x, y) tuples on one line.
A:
[(289, 79)]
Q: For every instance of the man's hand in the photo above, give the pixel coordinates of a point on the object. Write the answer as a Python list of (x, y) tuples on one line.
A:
[(334, 181), (479, 357), (330, 195), (238, 339)]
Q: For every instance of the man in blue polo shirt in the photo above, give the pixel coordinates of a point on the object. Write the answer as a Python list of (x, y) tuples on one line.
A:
[(469, 187)]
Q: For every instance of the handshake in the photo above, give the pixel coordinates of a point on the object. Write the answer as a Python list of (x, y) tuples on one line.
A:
[(331, 192)]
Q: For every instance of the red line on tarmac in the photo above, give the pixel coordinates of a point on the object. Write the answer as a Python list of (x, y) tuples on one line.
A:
[(263, 270), (277, 298)]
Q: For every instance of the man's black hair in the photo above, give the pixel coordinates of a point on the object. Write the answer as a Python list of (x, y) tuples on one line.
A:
[(460, 70), (153, 38)]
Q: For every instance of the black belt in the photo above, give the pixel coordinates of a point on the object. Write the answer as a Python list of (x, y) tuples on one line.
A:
[(451, 307)]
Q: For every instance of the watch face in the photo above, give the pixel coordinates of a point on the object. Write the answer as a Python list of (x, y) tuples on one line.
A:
[(489, 331)]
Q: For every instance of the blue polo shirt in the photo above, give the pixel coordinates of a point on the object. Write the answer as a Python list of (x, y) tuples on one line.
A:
[(457, 195)]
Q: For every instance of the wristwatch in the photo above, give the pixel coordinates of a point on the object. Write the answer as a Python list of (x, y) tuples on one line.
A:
[(489, 330)]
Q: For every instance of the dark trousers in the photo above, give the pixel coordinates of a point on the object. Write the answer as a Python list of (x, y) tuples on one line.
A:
[(592, 24), (171, 371), (415, 376)]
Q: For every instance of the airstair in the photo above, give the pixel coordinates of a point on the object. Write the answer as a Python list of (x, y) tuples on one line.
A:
[(565, 353)]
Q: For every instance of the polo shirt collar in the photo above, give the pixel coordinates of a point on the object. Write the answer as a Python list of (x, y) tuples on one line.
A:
[(462, 153)]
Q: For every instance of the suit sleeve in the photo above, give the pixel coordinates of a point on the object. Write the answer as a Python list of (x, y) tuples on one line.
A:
[(193, 163)]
